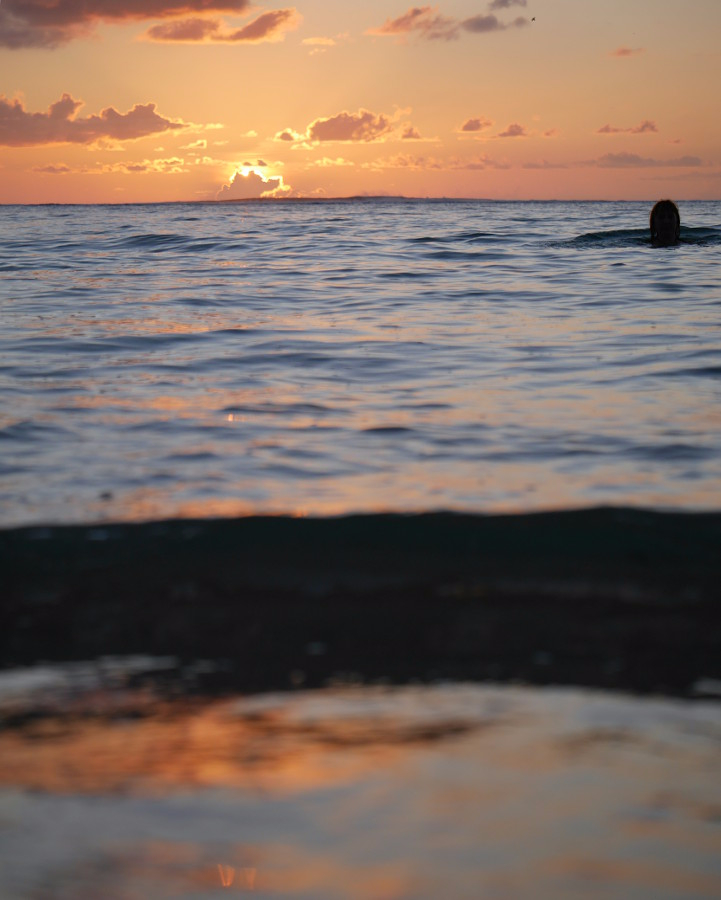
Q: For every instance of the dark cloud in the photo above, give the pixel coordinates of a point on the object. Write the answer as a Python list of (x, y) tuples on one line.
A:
[(482, 24), (474, 125), (429, 25), (514, 130), (361, 126), (59, 125), (485, 24), (49, 23), (410, 134), (288, 136), (269, 26), (54, 169), (504, 4), (644, 128), (184, 30)]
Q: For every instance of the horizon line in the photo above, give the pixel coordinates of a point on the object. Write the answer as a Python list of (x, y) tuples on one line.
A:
[(347, 198)]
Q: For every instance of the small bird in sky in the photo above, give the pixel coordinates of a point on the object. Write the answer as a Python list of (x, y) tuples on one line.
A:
[(533, 19)]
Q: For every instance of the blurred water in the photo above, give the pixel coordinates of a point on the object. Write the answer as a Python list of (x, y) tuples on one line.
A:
[(459, 791), (328, 357)]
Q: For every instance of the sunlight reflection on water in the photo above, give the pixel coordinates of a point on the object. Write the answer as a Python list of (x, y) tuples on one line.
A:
[(355, 792), (531, 360)]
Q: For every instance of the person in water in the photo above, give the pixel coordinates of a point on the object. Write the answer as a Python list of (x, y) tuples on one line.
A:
[(665, 223)]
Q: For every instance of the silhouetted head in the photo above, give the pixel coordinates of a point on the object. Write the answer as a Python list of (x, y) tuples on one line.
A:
[(665, 224)]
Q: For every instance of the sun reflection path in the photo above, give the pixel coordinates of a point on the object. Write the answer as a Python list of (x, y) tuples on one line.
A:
[(471, 791), (227, 876)]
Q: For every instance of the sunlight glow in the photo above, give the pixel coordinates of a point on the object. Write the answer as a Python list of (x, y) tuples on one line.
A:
[(369, 92), (227, 875)]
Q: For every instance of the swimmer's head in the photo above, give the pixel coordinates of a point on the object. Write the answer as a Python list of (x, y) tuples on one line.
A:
[(665, 224)]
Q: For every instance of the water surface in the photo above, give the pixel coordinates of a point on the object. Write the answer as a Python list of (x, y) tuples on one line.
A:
[(220, 359), (459, 791)]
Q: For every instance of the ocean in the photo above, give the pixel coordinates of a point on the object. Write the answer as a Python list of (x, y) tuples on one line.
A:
[(327, 357), (359, 549)]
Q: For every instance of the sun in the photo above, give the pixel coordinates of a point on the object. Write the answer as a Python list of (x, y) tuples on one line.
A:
[(245, 170), (254, 170)]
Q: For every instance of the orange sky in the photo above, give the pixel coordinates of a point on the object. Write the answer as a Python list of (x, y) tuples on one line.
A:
[(125, 100)]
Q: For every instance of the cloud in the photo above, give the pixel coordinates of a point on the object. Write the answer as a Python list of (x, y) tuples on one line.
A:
[(421, 19), (190, 30), (363, 126), (327, 162), (410, 133), (59, 125), (54, 169), (202, 144), (270, 26), (513, 131), (210, 161), (322, 44), (407, 161), (633, 161), (544, 164), (479, 164), (41, 23), (486, 24), (625, 52), (643, 128), (504, 4), (253, 185), (474, 125), (172, 166), (425, 22), (288, 136)]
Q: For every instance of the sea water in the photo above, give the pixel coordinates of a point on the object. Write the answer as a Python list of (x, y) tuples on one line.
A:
[(332, 357), (374, 793), (323, 357)]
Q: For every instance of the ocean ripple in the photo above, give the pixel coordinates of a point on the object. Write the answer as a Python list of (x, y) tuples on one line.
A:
[(329, 357)]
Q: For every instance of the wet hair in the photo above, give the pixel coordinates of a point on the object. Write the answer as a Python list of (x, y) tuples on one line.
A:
[(661, 207)]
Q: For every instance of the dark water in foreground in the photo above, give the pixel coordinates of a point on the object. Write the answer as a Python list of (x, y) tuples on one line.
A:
[(174, 360)]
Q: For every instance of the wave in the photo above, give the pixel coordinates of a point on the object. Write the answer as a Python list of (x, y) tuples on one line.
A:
[(634, 237), (399, 597), (469, 237)]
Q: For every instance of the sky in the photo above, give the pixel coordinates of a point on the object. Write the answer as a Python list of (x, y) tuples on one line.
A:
[(114, 101)]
